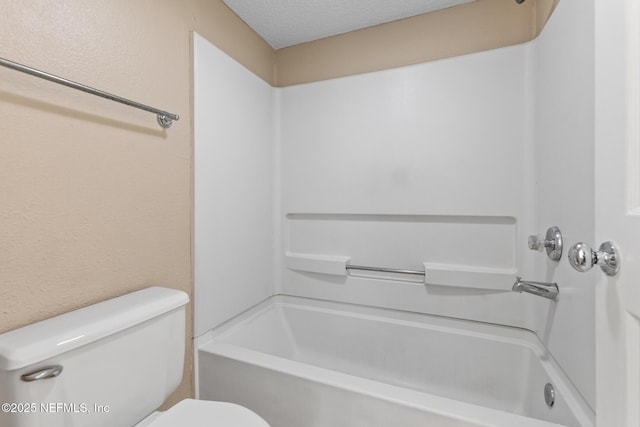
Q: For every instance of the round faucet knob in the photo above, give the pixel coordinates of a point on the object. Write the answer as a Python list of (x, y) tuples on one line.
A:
[(583, 258)]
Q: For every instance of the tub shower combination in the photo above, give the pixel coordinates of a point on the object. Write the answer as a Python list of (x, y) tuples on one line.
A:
[(303, 361), (306, 194), (299, 361)]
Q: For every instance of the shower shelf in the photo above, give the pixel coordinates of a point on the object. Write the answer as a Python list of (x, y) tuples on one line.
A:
[(325, 264)]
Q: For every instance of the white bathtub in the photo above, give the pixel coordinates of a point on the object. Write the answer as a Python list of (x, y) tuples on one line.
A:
[(301, 363)]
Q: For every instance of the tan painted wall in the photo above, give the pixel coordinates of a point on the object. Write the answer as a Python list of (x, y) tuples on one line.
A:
[(543, 11), (468, 28), (95, 199)]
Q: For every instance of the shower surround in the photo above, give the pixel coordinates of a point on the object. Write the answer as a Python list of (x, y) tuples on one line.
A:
[(443, 166)]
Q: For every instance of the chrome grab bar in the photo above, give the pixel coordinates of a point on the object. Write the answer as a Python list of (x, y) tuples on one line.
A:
[(42, 373), (386, 270)]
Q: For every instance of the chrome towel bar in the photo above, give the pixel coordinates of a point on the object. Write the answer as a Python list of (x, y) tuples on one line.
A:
[(165, 119), (386, 270)]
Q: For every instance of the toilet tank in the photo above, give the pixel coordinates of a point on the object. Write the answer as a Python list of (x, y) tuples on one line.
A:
[(120, 360)]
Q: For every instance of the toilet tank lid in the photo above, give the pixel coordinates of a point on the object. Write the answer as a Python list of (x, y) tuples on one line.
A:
[(48, 338)]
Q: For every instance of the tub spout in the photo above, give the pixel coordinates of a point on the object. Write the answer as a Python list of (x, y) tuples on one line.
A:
[(542, 289)]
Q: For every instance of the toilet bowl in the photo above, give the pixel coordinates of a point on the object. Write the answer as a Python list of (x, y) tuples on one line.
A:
[(111, 364), (203, 413)]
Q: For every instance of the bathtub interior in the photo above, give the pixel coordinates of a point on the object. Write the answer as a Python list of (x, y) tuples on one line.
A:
[(290, 397), (487, 365)]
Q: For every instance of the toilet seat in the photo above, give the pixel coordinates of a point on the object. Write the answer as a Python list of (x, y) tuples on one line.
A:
[(205, 413)]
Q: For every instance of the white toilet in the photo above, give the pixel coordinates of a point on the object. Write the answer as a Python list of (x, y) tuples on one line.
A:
[(111, 364)]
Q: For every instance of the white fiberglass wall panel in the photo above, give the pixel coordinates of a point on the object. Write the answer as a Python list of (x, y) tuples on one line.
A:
[(233, 172), (564, 144), (422, 166)]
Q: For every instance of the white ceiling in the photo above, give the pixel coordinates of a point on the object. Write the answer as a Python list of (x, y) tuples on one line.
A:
[(284, 23)]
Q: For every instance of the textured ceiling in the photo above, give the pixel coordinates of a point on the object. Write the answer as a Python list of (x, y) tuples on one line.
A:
[(285, 23)]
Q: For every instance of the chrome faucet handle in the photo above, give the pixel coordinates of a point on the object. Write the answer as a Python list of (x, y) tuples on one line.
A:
[(536, 242), (583, 258), (552, 242)]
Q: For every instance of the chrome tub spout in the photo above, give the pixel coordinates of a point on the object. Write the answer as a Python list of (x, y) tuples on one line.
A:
[(543, 289)]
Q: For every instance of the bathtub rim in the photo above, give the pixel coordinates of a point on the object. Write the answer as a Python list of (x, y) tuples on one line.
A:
[(501, 333)]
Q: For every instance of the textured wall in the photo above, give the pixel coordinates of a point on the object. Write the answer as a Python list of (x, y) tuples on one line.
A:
[(472, 27), (95, 197)]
